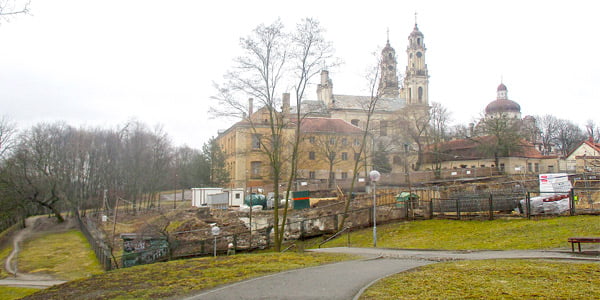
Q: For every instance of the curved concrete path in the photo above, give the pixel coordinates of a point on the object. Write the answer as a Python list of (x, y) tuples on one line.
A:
[(347, 280), (10, 265), (334, 281)]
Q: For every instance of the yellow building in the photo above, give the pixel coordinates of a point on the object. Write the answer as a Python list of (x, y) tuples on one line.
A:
[(327, 150)]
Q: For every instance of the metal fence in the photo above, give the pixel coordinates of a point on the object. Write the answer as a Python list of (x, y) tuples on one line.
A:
[(93, 235)]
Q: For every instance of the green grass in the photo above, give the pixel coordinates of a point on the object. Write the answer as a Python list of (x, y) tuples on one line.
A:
[(10, 293), (3, 255), (182, 277), (66, 256), (492, 279), (506, 234)]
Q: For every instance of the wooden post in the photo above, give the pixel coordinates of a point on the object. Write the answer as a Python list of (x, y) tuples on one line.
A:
[(491, 207)]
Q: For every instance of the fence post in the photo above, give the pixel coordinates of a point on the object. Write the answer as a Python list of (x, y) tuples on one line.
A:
[(491, 207), (335, 222), (528, 204), (572, 202), (457, 209), (431, 209)]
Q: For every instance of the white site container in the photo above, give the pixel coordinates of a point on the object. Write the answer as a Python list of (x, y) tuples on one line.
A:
[(200, 195), (236, 196)]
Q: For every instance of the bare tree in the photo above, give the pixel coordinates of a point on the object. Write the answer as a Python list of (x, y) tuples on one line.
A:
[(593, 130), (328, 149), (8, 130), (10, 8), (415, 123), (568, 135), (506, 136), (369, 107), (547, 128), (259, 73), (438, 132)]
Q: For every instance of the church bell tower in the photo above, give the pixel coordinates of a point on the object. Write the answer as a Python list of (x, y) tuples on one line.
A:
[(388, 83), (416, 79)]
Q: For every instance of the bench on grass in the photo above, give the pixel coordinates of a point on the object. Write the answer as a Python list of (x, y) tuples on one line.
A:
[(579, 240)]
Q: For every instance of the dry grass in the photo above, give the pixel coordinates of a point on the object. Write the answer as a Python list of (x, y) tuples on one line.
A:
[(492, 279), (182, 277), (66, 256)]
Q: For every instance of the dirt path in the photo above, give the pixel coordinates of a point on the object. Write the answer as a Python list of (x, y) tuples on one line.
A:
[(34, 226)]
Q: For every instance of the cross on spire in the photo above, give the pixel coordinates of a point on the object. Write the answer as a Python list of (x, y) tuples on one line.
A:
[(388, 35), (415, 18)]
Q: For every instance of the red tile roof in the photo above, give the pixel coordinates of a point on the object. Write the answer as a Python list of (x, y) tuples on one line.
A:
[(467, 149), (315, 125)]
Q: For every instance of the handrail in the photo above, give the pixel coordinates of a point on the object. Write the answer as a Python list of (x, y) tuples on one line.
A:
[(288, 248), (334, 236)]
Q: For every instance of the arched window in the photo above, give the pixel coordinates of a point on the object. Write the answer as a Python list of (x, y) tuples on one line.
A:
[(391, 56), (409, 95), (418, 41), (420, 94)]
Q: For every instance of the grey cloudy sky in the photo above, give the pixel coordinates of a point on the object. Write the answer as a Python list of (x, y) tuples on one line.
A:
[(101, 63)]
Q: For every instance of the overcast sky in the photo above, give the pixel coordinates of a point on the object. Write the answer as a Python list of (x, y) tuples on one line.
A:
[(101, 63)]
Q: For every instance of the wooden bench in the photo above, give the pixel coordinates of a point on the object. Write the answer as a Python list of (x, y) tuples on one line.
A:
[(579, 240)]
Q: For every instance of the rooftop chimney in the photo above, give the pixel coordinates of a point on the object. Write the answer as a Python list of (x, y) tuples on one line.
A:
[(286, 103), (250, 107)]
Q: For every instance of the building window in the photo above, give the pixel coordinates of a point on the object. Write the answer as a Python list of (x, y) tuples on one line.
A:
[(356, 156), (332, 156), (501, 167), (311, 175), (256, 141), (537, 167), (311, 155), (550, 169), (420, 94), (344, 155), (237, 196), (383, 128), (356, 142), (529, 167), (354, 122), (344, 175), (311, 139), (331, 141), (255, 168), (344, 141)]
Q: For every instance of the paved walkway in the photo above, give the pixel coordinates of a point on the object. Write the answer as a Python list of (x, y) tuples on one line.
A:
[(347, 280), (334, 281)]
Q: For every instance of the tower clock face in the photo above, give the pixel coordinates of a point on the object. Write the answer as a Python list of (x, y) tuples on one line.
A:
[(390, 68), (419, 54)]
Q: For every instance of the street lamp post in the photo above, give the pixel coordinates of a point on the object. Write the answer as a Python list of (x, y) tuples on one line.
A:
[(215, 231), (374, 175)]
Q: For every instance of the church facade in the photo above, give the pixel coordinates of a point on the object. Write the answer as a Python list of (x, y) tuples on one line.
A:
[(339, 119)]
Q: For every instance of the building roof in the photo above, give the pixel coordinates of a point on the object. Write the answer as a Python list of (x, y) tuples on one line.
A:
[(361, 102), (502, 105), (502, 87), (328, 125), (469, 149), (590, 143)]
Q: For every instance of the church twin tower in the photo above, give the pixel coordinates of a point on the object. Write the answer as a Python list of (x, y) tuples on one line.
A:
[(416, 78)]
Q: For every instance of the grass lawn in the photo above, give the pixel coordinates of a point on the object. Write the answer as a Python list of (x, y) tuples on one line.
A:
[(11, 293), (492, 279), (3, 255), (66, 256), (182, 277), (506, 234)]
